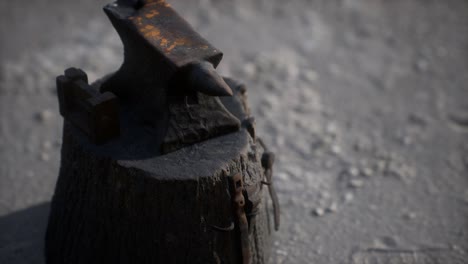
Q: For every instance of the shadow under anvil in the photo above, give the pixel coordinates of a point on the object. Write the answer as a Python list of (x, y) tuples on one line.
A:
[(22, 235)]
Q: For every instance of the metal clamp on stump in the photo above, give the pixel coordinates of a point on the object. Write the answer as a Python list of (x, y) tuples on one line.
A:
[(94, 113)]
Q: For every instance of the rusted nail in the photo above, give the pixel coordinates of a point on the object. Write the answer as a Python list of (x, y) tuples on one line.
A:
[(274, 199), (268, 158), (237, 187)]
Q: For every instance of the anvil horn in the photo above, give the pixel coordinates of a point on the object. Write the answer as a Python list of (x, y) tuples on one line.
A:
[(202, 77)]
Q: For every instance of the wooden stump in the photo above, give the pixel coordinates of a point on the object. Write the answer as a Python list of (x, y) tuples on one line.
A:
[(122, 203)]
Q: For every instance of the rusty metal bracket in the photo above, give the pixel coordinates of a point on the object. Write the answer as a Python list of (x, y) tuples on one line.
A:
[(238, 200), (94, 113)]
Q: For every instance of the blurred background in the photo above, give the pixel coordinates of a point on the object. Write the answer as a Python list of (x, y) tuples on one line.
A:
[(365, 103)]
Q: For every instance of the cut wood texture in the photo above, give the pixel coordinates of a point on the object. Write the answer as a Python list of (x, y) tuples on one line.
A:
[(125, 202)]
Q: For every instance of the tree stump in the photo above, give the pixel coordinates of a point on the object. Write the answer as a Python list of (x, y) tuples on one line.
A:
[(122, 202), (160, 161)]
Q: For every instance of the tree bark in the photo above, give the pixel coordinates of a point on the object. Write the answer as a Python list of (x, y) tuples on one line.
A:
[(119, 203)]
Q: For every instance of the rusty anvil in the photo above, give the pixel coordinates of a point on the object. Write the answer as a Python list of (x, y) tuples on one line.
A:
[(168, 80), (168, 75)]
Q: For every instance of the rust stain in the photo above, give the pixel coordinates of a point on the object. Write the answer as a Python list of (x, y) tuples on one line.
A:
[(154, 34), (137, 20), (150, 31), (152, 13), (176, 43), (164, 42), (158, 37)]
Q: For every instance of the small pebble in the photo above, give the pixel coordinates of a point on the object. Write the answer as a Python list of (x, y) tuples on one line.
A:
[(324, 194), (460, 120), (356, 183), (47, 145), (44, 156), (318, 212), (310, 75), (422, 65), (282, 176), (416, 119), (368, 172), (292, 71), (281, 252), (250, 70), (381, 165), (331, 129), (386, 242), (336, 149), (44, 115), (363, 146), (401, 171), (332, 208), (348, 197), (353, 171), (406, 140), (409, 215)]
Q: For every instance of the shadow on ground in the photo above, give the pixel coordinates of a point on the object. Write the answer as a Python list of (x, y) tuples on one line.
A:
[(22, 235)]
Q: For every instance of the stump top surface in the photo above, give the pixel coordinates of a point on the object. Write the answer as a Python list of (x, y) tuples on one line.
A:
[(204, 159), (139, 147)]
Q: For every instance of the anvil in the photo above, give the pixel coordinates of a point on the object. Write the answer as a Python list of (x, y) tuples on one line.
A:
[(168, 76)]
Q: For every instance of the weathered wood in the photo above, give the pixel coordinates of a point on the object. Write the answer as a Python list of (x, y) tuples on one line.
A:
[(123, 202)]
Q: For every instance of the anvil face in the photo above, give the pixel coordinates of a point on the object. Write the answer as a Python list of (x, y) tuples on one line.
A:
[(165, 31)]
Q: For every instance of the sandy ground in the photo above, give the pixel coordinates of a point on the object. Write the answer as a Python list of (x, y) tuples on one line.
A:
[(365, 103)]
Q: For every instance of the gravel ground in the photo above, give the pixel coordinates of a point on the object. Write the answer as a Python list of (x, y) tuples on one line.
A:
[(365, 103)]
